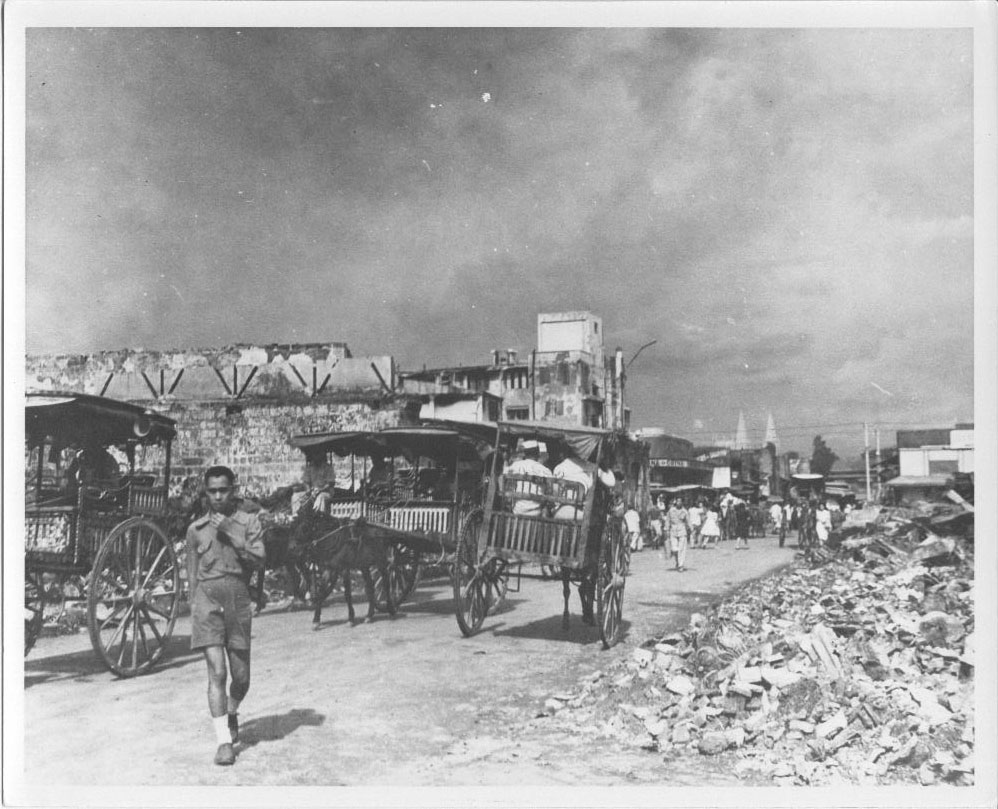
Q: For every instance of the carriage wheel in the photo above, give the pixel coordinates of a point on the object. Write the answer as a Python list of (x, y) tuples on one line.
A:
[(34, 609), (133, 596), (497, 576), (471, 586), (403, 575), (610, 578)]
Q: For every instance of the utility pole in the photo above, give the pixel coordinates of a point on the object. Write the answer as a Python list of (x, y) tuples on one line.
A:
[(880, 471), (866, 458)]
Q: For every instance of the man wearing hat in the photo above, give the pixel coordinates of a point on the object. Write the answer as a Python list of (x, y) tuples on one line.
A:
[(527, 462)]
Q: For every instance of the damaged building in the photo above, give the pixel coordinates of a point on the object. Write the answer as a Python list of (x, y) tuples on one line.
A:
[(568, 379)]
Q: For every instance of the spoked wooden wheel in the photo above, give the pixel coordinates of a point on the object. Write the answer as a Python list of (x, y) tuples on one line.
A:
[(610, 578), (403, 575), (34, 609), (497, 576), (471, 586), (134, 594)]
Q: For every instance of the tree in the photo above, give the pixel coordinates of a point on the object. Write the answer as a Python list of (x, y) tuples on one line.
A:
[(822, 458)]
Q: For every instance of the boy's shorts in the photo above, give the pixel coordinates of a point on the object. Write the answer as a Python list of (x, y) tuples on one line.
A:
[(221, 614)]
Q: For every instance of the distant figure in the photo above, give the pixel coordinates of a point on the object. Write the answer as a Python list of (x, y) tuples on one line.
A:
[(655, 523), (776, 516), (743, 524), (710, 531), (632, 524), (677, 528), (822, 523), (696, 521)]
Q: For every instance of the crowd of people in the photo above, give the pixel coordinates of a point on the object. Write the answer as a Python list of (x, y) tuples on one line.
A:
[(705, 523)]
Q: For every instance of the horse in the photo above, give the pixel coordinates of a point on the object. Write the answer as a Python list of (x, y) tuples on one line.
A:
[(335, 554)]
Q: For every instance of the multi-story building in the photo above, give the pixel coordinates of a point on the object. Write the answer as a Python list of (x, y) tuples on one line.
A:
[(567, 379)]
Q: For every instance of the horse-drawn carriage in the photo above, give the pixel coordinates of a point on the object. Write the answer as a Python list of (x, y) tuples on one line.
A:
[(570, 523), (408, 491), (95, 536)]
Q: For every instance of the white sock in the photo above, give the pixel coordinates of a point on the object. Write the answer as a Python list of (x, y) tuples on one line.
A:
[(221, 724), (234, 705)]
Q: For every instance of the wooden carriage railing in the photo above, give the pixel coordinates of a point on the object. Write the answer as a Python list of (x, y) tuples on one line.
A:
[(539, 518), (69, 534), (414, 516)]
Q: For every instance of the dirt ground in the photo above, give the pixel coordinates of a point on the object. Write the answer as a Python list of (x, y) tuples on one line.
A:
[(404, 701)]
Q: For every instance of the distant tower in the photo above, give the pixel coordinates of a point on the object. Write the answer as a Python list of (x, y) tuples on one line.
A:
[(771, 433), (741, 435)]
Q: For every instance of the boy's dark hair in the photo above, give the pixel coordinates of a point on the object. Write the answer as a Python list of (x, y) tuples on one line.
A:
[(220, 472)]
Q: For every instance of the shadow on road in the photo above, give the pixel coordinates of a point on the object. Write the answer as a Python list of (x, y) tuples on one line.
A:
[(550, 629), (85, 664), (275, 727)]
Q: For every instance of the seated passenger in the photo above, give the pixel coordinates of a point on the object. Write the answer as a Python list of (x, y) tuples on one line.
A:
[(319, 479), (576, 471), (527, 462), (92, 465)]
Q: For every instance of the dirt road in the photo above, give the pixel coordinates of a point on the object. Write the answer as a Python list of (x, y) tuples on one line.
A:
[(404, 701)]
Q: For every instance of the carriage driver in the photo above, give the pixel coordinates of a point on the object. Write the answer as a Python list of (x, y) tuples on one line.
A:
[(223, 548)]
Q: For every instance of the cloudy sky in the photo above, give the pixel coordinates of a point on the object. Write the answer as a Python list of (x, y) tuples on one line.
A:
[(787, 212)]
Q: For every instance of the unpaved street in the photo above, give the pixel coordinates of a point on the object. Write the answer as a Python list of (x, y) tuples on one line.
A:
[(403, 701)]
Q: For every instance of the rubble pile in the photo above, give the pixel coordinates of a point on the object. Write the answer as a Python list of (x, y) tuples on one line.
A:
[(857, 671)]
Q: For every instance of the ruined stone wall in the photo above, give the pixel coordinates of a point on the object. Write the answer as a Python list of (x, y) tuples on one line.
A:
[(253, 441), (236, 406)]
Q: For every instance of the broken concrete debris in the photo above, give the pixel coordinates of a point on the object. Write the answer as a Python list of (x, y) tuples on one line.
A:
[(859, 670)]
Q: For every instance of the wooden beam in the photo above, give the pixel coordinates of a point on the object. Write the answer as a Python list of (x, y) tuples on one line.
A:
[(249, 379), (176, 380), (222, 380), (151, 388)]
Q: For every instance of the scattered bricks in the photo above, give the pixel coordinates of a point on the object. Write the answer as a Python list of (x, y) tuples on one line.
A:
[(734, 704), (742, 689), (643, 656), (801, 726), (748, 674)]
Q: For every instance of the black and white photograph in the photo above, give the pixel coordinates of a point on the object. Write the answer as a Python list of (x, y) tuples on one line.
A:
[(486, 404)]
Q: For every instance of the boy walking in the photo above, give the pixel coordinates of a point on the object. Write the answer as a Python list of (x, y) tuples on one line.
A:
[(223, 548)]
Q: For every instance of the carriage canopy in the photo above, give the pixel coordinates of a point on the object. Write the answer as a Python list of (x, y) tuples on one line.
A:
[(68, 419)]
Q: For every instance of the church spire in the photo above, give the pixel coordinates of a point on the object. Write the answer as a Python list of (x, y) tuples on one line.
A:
[(771, 432)]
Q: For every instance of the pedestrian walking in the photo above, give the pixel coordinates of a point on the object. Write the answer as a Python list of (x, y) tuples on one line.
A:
[(632, 524), (677, 528), (223, 549), (822, 523), (710, 531), (742, 524), (696, 521), (655, 523), (776, 517)]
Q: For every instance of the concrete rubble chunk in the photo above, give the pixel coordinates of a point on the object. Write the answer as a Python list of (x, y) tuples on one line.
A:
[(713, 743), (781, 678), (680, 684), (831, 726)]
